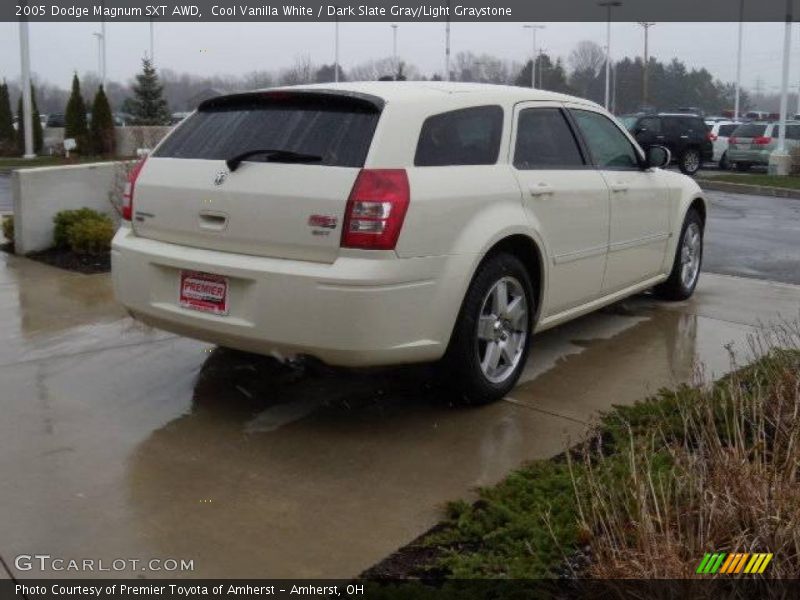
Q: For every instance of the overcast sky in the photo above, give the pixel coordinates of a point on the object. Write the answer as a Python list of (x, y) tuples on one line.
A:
[(58, 49)]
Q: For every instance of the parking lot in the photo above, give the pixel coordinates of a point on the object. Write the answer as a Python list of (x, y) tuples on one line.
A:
[(135, 443)]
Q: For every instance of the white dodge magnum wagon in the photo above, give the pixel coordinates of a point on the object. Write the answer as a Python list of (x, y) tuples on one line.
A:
[(390, 222)]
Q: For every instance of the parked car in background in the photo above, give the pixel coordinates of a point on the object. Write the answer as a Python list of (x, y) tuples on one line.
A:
[(751, 144), (387, 222), (686, 135), (55, 120), (720, 132)]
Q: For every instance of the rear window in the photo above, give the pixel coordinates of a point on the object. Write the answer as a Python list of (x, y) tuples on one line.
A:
[(726, 130), (750, 130), (469, 136), (339, 129)]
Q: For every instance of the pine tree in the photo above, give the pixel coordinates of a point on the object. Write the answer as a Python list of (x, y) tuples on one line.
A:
[(7, 134), (101, 128), (38, 134), (149, 106), (75, 117)]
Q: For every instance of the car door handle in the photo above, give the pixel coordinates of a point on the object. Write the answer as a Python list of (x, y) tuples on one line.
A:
[(541, 189), (213, 221), (619, 187)]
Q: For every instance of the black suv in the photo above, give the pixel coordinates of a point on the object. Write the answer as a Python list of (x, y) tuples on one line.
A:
[(686, 136)]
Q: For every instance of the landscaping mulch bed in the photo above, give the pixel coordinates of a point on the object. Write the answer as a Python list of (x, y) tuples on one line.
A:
[(66, 259)]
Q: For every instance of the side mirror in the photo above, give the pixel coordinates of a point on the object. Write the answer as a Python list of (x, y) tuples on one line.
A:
[(658, 156)]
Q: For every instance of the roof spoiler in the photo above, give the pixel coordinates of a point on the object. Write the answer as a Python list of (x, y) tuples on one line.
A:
[(328, 98)]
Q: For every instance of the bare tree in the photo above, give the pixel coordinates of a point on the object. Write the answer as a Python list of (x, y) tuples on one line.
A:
[(302, 71), (587, 56)]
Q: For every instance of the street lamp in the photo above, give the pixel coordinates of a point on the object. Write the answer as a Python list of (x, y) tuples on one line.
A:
[(608, 5), (447, 45), (100, 62), (152, 42), (780, 160), (646, 27), (533, 29)]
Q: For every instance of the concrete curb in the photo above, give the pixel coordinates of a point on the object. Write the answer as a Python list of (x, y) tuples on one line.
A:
[(744, 188)]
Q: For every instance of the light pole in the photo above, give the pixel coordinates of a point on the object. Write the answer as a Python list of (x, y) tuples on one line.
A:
[(27, 101), (152, 41), (738, 63), (100, 68), (394, 49), (540, 57), (447, 45), (780, 160), (336, 49), (533, 29), (646, 27), (608, 5)]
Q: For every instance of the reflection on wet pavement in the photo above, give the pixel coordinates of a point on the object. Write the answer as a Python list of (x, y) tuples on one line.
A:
[(121, 441)]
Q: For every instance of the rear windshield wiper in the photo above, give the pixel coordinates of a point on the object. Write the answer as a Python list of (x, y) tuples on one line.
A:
[(272, 154)]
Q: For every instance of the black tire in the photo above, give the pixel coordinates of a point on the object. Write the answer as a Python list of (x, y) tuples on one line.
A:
[(724, 165), (460, 369), (743, 167), (689, 161), (675, 288)]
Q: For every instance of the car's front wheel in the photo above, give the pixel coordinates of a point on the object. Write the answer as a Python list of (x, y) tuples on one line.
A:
[(491, 337), (689, 162), (688, 259)]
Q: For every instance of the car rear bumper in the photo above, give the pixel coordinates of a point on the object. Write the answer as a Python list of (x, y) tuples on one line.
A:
[(354, 312), (754, 157)]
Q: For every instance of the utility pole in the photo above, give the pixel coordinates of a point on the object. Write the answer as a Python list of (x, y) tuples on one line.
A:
[(152, 44), (608, 5), (533, 29), (541, 67), (780, 160), (736, 102), (646, 26)]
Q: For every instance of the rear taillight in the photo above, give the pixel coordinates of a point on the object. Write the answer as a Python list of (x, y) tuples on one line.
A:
[(376, 209), (127, 194), (733, 140), (712, 137), (762, 140)]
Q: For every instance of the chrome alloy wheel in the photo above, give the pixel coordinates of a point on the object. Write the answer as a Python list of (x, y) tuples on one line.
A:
[(691, 162), (691, 250), (502, 329)]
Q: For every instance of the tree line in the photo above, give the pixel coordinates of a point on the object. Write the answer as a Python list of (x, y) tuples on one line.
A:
[(149, 97)]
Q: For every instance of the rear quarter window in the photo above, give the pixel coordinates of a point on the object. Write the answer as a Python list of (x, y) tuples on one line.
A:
[(726, 130), (337, 129), (468, 136)]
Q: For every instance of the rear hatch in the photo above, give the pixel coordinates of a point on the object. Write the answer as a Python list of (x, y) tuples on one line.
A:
[(750, 136), (287, 204)]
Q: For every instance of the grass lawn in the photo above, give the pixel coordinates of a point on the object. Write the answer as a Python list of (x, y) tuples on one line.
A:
[(645, 495), (783, 181), (47, 161)]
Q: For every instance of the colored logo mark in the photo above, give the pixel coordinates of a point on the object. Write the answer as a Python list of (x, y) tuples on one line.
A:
[(737, 562)]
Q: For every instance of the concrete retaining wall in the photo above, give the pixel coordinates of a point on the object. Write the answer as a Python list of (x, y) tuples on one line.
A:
[(42, 192)]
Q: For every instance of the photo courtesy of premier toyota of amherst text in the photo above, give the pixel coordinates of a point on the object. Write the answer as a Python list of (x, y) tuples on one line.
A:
[(399, 300)]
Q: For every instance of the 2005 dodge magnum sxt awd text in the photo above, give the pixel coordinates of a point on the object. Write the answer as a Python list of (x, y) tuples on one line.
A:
[(391, 222)]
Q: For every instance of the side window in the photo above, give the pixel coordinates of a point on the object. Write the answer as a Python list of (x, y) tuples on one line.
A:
[(610, 148), (793, 132), (470, 136), (650, 125), (545, 141), (726, 130), (674, 126)]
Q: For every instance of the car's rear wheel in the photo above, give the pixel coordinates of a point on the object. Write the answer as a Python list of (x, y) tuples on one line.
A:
[(723, 162), (741, 166), (688, 260), (689, 162), (491, 337)]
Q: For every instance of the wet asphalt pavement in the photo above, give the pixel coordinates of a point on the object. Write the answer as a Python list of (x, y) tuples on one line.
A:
[(753, 236), (120, 441)]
